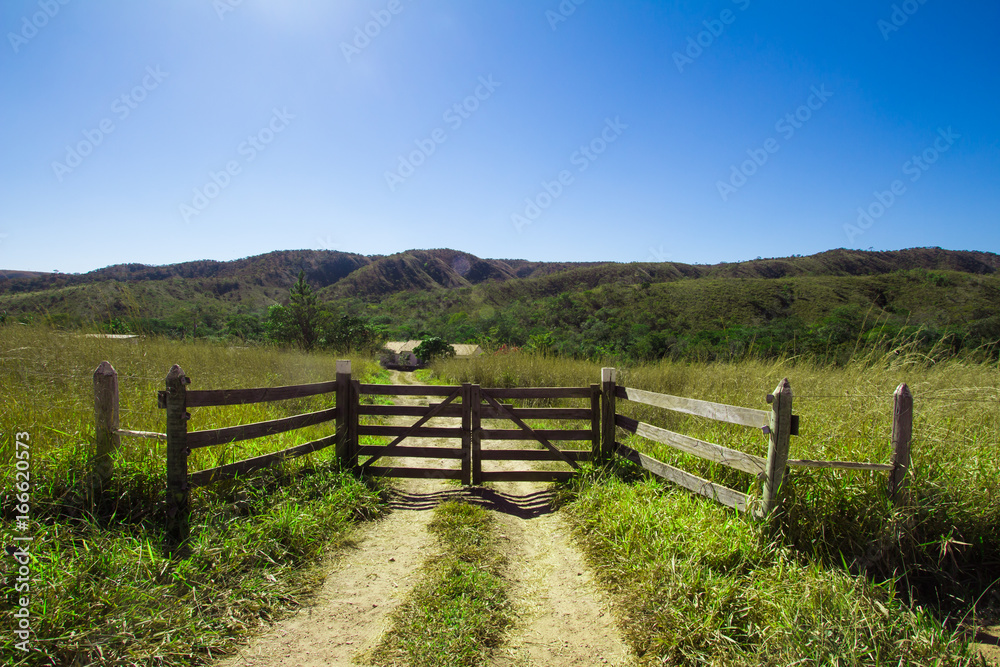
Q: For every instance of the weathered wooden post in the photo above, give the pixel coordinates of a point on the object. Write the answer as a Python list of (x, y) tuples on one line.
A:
[(608, 409), (476, 426), (343, 446), (595, 422), (353, 421), (178, 492), (106, 437), (902, 431), (466, 433), (780, 428)]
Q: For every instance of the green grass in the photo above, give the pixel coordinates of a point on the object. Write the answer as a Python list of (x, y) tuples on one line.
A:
[(697, 586), (458, 612), (942, 554), (103, 588), (694, 580)]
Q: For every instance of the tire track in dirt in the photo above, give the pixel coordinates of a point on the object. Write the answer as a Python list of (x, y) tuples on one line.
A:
[(562, 618), (366, 581)]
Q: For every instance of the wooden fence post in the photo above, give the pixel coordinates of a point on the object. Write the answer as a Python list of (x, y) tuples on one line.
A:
[(466, 433), (608, 409), (902, 431), (178, 492), (476, 425), (353, 421), (780, 428), (343, 448), (595, 422), (106, 437)]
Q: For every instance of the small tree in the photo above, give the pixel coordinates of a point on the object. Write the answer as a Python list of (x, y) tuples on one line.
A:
[(353, 333), (432, 348), (306, 312), (302, 321)]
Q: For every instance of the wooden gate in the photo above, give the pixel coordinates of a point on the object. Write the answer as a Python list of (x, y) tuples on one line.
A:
[(469, 405), (489, 404)]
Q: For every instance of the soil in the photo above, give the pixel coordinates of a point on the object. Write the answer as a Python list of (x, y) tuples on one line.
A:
[(987, 641), (563, 619)]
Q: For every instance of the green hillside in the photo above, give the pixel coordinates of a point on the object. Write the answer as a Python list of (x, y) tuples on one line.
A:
[(823, 304)]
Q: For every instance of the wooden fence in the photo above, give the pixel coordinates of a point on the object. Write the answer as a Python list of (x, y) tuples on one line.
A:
[(778, 423), (472, 404)]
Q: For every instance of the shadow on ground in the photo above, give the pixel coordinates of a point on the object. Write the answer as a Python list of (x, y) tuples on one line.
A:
[(527, 506)]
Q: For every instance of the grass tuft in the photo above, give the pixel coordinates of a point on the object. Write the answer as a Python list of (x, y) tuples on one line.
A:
[(698, 585)]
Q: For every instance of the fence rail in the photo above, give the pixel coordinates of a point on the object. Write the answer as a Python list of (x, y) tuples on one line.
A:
[(685, 443), (717, 411), (230, 434), (228, 471), (779, 424), (472, 404), (210, 397)]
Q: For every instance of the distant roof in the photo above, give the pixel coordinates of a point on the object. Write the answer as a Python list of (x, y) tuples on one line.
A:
[(398, 346), (115, 336), (461, 349)]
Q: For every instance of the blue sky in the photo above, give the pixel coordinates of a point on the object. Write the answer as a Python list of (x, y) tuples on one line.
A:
[(166, 131)]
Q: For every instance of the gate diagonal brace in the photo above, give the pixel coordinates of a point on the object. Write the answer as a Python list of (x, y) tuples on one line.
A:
[(503, 409), (420, 422)]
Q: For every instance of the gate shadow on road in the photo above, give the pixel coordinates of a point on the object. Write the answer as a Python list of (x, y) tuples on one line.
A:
[(524, 506)]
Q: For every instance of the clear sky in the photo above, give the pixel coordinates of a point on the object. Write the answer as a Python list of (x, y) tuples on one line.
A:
[(170, 130)]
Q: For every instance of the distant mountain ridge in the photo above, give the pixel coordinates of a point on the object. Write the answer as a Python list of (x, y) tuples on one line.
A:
[(341, 274), (643, 310)]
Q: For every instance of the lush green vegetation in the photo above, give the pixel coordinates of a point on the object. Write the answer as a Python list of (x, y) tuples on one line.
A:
[(309, 324), (103, 589), (825, 306), (459, 610), (828, 318), (432, 348), (843, 549), (697, 586)]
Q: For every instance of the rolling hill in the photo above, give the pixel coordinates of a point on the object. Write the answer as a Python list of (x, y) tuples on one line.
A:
[(646, 309)]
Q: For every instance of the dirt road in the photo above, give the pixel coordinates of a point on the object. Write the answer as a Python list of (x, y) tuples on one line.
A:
[(563, 619)]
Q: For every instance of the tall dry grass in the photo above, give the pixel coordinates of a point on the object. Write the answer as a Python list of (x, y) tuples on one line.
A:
[(46, 385)]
